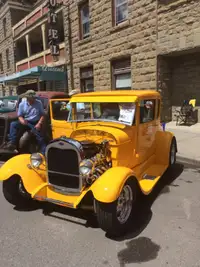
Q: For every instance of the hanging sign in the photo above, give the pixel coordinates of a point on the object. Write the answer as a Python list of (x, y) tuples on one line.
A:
[(53, 35)]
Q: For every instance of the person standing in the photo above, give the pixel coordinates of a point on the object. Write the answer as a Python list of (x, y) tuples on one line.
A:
[(30, 112)]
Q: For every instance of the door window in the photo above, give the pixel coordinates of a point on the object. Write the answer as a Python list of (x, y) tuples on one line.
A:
[(147, 110), (60, 110)]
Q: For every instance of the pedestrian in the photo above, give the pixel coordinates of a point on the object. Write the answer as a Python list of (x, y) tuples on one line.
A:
[(30, 112)]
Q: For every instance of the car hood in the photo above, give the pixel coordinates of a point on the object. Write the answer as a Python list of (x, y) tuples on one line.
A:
[(98, 133)]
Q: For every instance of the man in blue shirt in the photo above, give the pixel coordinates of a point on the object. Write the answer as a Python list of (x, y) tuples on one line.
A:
[(30, 112)]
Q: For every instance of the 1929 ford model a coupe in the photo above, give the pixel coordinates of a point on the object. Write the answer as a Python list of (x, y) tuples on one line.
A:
[(116, 151)]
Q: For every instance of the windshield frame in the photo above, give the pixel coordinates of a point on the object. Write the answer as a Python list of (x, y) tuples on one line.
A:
[(73, 113)]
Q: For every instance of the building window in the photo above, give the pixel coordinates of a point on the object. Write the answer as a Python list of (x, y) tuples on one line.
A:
[(87, 79), (7, 58), (1, 63), (84, 17), (4, 27), (121, 74), (120, 11)]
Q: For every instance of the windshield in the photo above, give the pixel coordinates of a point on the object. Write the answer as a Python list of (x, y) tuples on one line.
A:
[(114, 112), (8, 104)]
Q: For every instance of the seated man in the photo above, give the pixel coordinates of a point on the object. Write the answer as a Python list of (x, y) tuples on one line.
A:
[(30, 112)]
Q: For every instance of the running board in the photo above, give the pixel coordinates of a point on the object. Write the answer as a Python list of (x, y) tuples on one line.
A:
[(149, 177), (57, 202)]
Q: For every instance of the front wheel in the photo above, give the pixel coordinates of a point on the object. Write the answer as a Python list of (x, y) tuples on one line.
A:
[(14, 191), (115, 218)]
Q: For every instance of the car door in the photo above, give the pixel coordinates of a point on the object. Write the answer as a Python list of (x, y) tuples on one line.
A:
[(59, 114), (146, 129)]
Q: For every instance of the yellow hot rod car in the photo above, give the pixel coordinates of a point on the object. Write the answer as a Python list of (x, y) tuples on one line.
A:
[(110, 150)]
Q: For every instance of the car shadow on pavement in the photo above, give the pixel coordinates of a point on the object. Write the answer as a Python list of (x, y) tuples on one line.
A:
[(85, 217), (145, 214), (59, 212)]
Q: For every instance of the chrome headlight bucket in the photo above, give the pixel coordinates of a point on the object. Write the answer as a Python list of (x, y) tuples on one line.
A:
[(36, 160), (85, 171), (86, 167)]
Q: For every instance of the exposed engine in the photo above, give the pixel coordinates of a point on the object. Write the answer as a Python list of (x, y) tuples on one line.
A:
[(97, 160)]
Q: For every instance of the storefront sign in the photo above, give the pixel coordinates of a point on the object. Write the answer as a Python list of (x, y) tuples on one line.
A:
[(53, 35), (58, 69)]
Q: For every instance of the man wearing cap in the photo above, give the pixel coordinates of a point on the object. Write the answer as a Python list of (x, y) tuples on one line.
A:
[(30, 111)]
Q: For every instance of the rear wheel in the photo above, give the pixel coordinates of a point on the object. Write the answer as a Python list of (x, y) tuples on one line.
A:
[(116, 218), (14, 191), (28, 143), (173, 151)]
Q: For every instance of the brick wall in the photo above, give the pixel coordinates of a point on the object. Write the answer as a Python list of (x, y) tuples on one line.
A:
[(136, 37)]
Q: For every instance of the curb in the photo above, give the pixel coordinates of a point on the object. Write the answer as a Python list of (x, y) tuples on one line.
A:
[(188, 161)]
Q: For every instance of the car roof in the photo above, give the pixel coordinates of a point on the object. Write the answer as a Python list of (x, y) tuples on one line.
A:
[(121, 93), (116, 95), (50, 94)]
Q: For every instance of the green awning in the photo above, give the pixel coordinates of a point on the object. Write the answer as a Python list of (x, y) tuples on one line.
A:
[(42, 73)]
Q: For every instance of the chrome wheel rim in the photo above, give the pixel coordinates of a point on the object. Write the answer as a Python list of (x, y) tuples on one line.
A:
[(124, 204), (173, 154)]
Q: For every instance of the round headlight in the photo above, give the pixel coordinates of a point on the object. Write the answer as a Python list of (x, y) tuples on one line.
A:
[(85, 170), (36, 160)]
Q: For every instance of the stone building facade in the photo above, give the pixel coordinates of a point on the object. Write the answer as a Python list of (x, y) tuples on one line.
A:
[(156, 45), (126, 46), (129, 44)]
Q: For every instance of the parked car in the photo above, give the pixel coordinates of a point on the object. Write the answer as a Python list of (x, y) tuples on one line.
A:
[(26, 141), (115, 152), (8, 104)]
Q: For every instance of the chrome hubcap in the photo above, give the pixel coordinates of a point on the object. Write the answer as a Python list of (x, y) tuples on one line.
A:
[(173, 154), (124, 204)]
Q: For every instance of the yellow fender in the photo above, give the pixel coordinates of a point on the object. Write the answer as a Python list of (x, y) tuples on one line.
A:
[(108, 187), (163, 144), (18, 165)]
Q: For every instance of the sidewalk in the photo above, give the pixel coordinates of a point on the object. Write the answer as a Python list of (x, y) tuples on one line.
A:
[(188, 141)]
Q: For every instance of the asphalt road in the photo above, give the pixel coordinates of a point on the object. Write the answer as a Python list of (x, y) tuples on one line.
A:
[(167, 233)]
